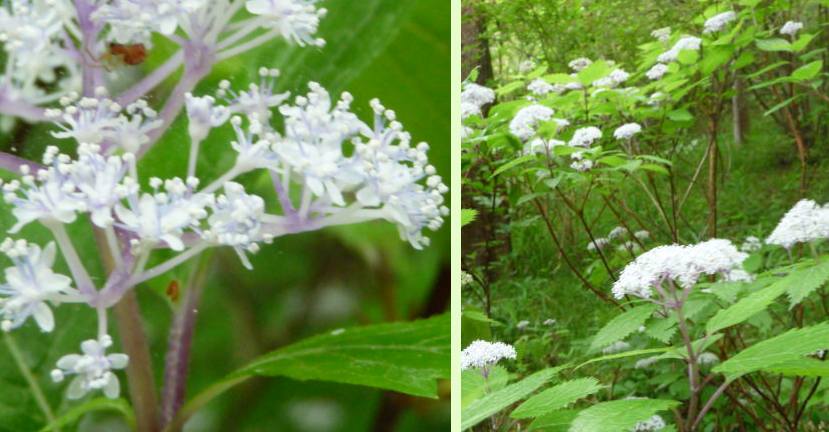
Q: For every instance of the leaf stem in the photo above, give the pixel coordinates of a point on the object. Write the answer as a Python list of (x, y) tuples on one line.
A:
[(40, 398)]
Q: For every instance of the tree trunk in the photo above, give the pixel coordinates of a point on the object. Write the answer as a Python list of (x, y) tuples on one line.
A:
[(474, 44)]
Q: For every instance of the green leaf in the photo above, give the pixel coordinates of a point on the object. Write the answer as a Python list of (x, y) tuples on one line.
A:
[(474, 386), (490, 404), (746, 307), (619, 415), (789, 346), (556, 397), (597, 70), (468, 216), (622, 326), (633, 353), (802, 42), (512, 164), (509, 88), (663, 329), (407, 357), (773, 45), (558, 421), (807, 367), (807, 71), (74, 414), (802, 282)]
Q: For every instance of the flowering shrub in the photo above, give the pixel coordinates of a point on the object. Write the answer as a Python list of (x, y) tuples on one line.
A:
[(600, 189), (326, 163)]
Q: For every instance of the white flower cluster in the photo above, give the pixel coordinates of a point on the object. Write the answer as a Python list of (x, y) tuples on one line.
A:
[(33, 36), (31, 286), (662, 34), (580, 64), (682, 264), (473, 97), (751, 244), (92, 369), (483, 354), (542, 146), (791, 28), (580, 163), (599, 243), (657, 71), (690, 43), (527, 119), (653, 424), (616, 347), (718, 22), (466, 279), (540, 87), (708, 358), (102, 121), (612, 80), (526, 66), (627, 131), (805, 222), (585, 137)]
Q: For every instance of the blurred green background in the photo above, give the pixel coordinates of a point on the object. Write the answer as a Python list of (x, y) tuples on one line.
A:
[(301, 285)]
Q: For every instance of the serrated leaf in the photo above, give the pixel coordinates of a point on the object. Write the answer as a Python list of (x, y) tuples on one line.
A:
[(622, 326), (490, 404), (804, 281), (556, 397), (558, 421), (663, 329), (474, 386), (407, 357), (618, 415), (789, 346), (468, 216), (745, 308)]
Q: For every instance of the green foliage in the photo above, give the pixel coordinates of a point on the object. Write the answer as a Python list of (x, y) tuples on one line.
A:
[(619, 415), (557, 397), (491, 403), (622, 326), (406, 357)]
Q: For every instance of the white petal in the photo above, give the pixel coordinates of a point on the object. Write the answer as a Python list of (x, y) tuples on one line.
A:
[(76, 389), (113, 387), (68, 361), (118, 361), (43, 316)]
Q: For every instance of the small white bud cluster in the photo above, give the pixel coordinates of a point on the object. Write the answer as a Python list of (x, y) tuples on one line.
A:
[(653, 424), (101, 121), (296, 20), (718, 22), (473, 98), (585, 137), (662, 34), (540, 87), (689, 43), (657, 71), (791, 28), (616, 347), (579, 64), (627, 131), (616, 77)]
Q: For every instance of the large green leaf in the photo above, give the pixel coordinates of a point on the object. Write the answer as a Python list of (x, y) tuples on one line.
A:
[(490, 404), (746, 307), (408, 357), (802, 282), (622, 326), (806, 366), (74, 414), (789, 346), (556, 397), (807, 71), (618, 415)]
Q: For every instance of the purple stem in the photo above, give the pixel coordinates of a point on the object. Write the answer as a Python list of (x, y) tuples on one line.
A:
[(92, 73), (13, 163), (21, 109), (178, 347), (284, 200), (198, 60), (153, 79)]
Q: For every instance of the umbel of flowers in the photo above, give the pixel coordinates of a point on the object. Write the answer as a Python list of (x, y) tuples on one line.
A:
[(316, 183)]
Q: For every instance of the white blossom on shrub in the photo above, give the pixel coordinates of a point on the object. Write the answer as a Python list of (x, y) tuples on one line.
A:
[(807, 221), (657, 71), (689, 43), (718, 22), (527, 119), (627, 131), (791, 28), (483, 354)]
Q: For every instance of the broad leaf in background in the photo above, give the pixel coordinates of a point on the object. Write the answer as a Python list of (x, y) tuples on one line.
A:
[(618, 415), (558, 421), (490, 404)]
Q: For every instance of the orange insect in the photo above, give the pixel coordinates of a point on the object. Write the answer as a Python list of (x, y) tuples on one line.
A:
[(173, 291), (130, 54)]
